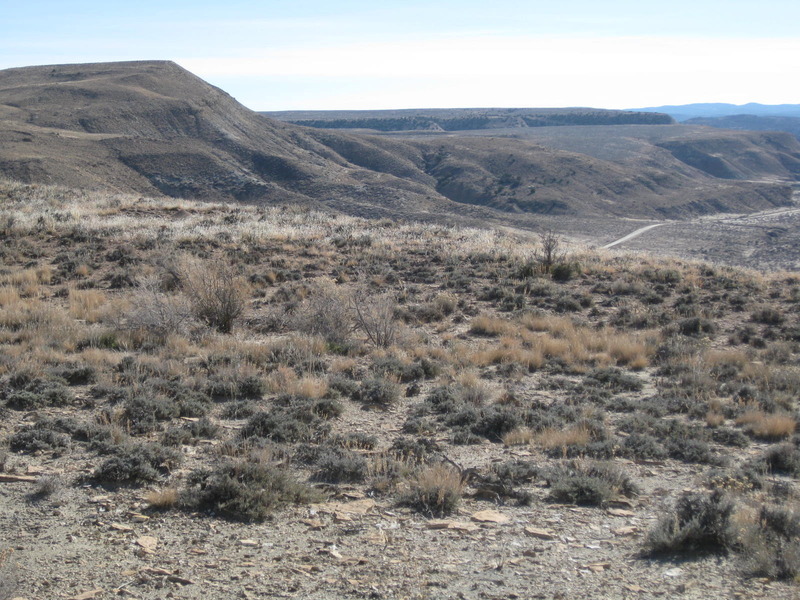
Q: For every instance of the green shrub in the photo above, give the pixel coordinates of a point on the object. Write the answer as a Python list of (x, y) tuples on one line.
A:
[(768, 316), (39, 393), (642, 445), (37, 439), (245, 490), (144, 412), (588, 483), (699, 523), (694, 326), (236, 388), (564, 271), (783, 459), (75, 374), (278, 426), (377, 392), (496, 421), (136, 463), (614, 379), (337, 465), (770, 546)]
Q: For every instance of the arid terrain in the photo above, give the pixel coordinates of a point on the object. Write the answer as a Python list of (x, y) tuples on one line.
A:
[(204, 399), (392, 354)]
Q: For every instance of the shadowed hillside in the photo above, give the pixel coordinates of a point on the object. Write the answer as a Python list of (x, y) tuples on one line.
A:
[(154, 128)]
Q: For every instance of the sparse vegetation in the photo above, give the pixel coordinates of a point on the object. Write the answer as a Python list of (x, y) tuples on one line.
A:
[(361, 369)]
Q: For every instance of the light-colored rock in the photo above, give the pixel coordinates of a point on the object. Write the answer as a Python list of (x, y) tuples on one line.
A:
[(489, 516), (88, 595), (540, 534), (147, 543), (452, 525)]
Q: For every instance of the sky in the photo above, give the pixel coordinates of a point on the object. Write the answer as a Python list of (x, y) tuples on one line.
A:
[(354, 54)]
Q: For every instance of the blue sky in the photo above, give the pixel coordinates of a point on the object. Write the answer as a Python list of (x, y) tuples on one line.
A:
[(310, 54)]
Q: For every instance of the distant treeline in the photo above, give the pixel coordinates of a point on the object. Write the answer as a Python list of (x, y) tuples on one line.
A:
[(487, 121)]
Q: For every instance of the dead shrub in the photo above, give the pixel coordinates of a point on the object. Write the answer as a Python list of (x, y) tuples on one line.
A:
[(156, 313), (375, 316), (326, 312), (216, 294)]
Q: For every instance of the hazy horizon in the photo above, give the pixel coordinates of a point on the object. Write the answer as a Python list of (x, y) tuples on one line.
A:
[(312, 55)]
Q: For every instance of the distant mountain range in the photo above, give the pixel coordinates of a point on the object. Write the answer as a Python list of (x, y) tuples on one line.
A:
[(151, 127), (749, 117), (684, 112)]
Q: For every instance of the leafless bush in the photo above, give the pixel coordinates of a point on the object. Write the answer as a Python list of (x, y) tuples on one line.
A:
[(374, 315), (157, 313), (326, 312), (551, 250), (217, 295)]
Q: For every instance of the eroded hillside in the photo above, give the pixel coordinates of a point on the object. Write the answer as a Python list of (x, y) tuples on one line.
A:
[(153, 128)]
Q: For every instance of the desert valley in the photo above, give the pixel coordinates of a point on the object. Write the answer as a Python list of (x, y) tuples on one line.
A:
[(447, 353)]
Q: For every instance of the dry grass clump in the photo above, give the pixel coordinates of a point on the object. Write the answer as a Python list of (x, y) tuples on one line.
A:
[(519, 436), (768, 426), (714, 418), (435, 491), (578, 435), (164, 498), (490, 326), (531, 340), (510, 351), (86, 305)]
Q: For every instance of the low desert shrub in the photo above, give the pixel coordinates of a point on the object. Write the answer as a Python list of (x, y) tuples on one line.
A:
[(39, 393), (337, 465), (38, 439), (377, 392), (245, 490), (769, 542), (643, 446), (136, 463), (613, 379), (695, 326), (783, 459), (75, 374), (699, 523), (588, 483), (144, 412), (768, 315)]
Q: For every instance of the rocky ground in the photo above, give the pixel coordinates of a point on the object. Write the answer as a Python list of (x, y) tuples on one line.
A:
[(666, 377)]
